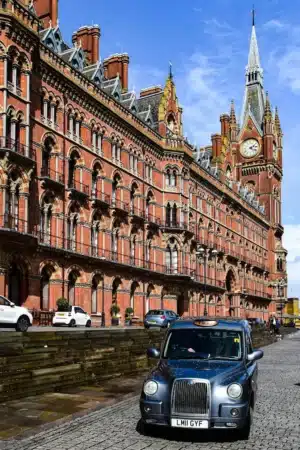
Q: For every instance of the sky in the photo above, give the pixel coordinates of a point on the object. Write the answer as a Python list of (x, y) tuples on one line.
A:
[(207, 43)]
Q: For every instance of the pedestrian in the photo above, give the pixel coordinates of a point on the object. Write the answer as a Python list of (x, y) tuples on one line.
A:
[(277, 326)]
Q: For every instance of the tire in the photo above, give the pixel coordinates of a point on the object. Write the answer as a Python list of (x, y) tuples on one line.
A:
[(22, 324), (72, 323), (147, 327), (243, 433), (88, 324), (144, 429)]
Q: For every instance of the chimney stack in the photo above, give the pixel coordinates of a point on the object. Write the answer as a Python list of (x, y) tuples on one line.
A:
[(89, 39), (47, 11), (117, 65)]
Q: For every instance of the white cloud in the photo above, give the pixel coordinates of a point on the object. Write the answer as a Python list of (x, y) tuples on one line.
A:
[(289, 68), (275, 24), (291, 241), (203, 96)]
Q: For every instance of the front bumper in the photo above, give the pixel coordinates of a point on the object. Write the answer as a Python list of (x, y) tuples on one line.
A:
[(154, 413)]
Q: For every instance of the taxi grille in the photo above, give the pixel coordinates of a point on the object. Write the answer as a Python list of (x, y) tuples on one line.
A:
[(190, 397)]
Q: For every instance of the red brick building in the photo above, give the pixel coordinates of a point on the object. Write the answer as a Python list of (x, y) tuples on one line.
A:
[(102, 198)]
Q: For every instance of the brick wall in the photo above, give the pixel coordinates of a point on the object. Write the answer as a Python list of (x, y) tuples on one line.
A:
[(35, 363)]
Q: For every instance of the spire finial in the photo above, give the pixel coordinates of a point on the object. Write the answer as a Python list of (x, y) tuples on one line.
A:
[(170, 70), (253, 16)]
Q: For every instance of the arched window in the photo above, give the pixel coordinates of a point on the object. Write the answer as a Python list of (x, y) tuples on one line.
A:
[(279, 264), (95, 177), (72, 224), (173, 178), (45, 288), (168, 215), (149, 199), (172, 256), (132, 248), (10, 130), (148, 251), (115, 185), (174, 216), (46, 219), (95, 231), (133, 192), (46, 154), (168, 178), (94, 294), (12, 200), (74, 157), (115, 240), (133, 288), (72, 287)]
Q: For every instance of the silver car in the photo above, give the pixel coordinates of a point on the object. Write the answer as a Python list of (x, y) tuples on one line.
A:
[(162, 318)]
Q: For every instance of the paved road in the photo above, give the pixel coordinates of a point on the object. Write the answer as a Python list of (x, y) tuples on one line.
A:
[(35, 329), (276, 422)]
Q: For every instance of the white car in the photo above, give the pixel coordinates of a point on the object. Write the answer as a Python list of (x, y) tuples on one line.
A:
[(13, 316), (75, 316)]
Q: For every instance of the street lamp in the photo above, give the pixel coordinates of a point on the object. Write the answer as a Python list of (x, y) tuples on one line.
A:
[(205, 253), (280, 286)]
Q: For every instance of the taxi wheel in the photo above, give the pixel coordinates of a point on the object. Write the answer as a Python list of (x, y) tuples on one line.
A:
[(88, 324), (144, 428), (243, 433), (72, 323)]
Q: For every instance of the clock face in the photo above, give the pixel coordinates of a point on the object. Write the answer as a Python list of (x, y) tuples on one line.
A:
[(250, 148), (275, 151)]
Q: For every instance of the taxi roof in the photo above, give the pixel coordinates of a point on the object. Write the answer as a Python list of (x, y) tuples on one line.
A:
[(229, 324)]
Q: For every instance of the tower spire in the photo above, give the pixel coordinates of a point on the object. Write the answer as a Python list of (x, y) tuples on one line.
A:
[(254, 98)]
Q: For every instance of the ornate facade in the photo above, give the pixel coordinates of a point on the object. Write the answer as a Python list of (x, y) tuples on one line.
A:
[(104, 201)]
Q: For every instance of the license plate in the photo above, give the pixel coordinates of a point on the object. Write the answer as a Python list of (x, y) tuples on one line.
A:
[(187, 423), (152, 321), (61, 314)]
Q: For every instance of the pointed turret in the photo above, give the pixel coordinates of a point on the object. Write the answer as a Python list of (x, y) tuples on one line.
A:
[(233, 124), (254, 98), (277, 123)]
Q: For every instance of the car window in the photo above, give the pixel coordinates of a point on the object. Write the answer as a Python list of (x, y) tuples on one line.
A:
[(4, 301), (249, 347), (172, 314), (155, 312), (78, 310), (203, 344)]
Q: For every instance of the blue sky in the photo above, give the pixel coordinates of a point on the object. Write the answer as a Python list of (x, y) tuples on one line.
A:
[(208, 43)]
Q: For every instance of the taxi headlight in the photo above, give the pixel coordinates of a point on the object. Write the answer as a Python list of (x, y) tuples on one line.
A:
[(150, 387), (235, 390)]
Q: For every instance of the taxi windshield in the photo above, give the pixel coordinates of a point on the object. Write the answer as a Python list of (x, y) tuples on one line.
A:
[(203, 344)]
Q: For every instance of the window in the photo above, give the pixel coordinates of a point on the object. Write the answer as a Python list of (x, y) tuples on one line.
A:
[(172, 257), (72, 168), (46, 219), (132, 248), (12, 202)]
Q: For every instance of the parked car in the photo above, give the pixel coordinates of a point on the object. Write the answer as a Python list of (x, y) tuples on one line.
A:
[(73, 317), (206, 378), (12, 316), (162, 318)]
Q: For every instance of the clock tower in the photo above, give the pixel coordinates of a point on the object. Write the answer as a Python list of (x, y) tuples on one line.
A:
[(249, 154)]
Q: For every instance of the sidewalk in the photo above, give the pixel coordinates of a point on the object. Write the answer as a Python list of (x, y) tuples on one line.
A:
[(27, 416)]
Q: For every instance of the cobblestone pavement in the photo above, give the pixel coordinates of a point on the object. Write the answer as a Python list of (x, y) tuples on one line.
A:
[(276, 422)]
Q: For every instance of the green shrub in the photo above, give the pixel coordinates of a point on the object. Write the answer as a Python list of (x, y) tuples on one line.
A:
[(62, 304), (129, 311), (114, 310)]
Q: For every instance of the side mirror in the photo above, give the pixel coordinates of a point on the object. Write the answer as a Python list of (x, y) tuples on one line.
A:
[(153, 353), (12, 305), (258, 354), (177, 316)]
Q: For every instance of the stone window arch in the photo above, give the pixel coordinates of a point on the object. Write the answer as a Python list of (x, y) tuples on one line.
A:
[(73, 162), (46, 218), (72, 280), (72, 226), (12, 200), (48, 147), (96, 174), (172, 254)]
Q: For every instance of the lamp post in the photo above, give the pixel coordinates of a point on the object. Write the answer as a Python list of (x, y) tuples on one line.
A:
[(205, 254), (281, 294)]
